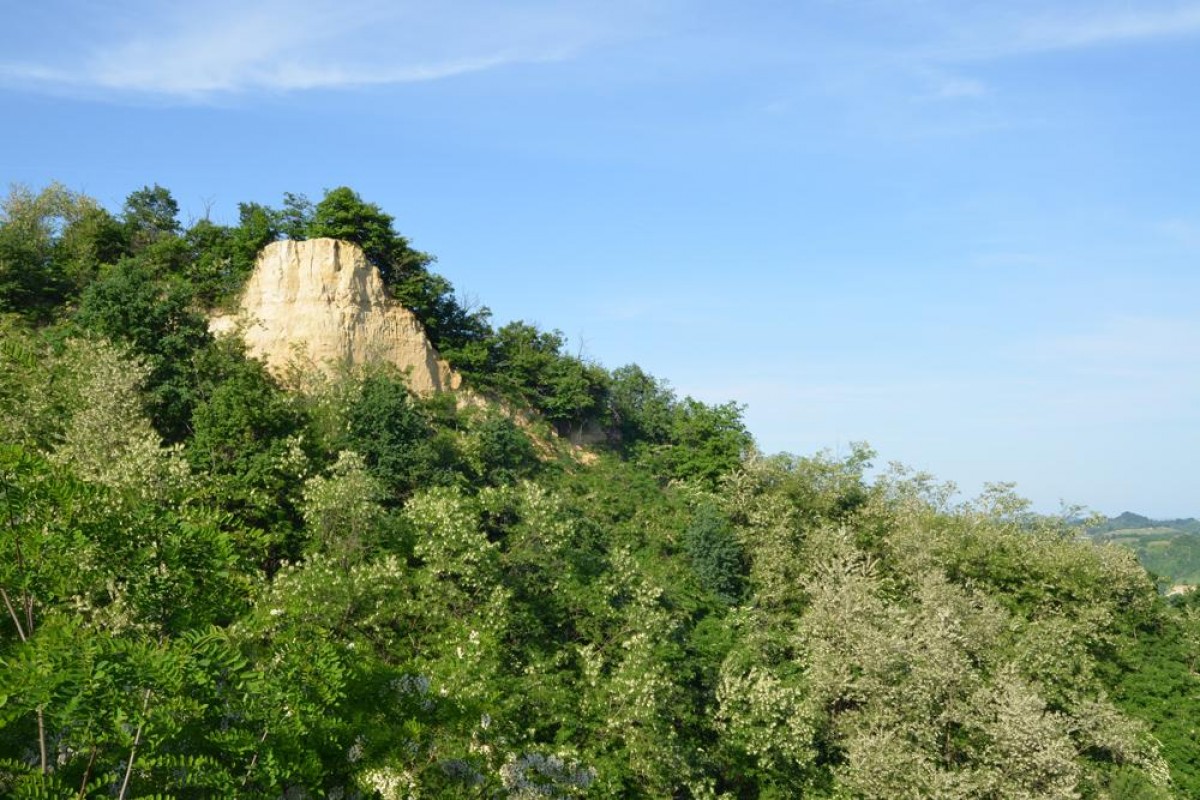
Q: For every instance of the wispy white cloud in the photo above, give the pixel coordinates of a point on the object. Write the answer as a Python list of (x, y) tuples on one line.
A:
[(199, 50), (986, 31), (1090, 28), (209, 48), (936, 68)]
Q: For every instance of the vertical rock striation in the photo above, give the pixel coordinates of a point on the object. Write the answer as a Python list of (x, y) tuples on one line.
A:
[(321, 302)]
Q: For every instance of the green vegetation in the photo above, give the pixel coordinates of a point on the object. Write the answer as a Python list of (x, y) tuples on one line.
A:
[(214, 585), (1169, 549), (1129, 521)]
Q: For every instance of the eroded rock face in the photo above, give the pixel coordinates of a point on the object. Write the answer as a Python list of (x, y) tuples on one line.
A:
[(320, 302)]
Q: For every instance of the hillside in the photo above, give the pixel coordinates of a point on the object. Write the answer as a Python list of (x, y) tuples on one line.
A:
[(1128, 521), (1169, 549), (229, 577)]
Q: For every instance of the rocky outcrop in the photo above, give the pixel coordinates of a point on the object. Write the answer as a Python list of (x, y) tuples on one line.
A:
[(321, 303)]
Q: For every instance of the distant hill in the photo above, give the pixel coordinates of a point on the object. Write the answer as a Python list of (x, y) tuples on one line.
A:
[(1129, 521), (1168, 548)]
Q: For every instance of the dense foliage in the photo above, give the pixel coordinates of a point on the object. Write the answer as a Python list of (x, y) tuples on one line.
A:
[(216, 585)]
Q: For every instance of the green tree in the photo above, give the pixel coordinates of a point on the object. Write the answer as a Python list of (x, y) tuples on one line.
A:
[(640, 406), (248, 440), (106, 438), (705, 442), (92, 239), (131, 304), (343, 511), (295, 218), (52, 244), (342, 214), (528, 365), (498, 451), (220, 258), (150, 214), (715, 554), (385, 425)]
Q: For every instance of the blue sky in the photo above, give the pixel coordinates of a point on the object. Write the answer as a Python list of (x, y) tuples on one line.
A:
[(965, 232)]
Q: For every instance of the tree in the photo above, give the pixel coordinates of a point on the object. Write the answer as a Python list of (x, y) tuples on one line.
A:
[(150, 214), (527, 364), (715, 554), (295, 218), (133, 305), (52, 244), (343, 513), (106, 438), (257, 227), (247, 439), (385, 426), (640, 407), (211, 273), (342, 214), (705, 442), (92, 238), (499, 452)]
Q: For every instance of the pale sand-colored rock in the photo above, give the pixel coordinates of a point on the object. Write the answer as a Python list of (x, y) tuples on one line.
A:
[(320, 301)]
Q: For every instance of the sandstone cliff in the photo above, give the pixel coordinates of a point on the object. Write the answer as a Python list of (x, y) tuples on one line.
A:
[(320, 302)]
